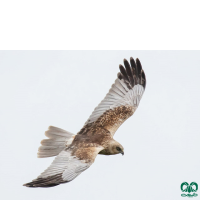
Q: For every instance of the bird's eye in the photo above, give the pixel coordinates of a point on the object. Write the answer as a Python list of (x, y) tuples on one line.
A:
[(118, 149)]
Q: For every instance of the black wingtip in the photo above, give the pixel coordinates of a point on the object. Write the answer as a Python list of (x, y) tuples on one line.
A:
[(132, 61), (125, 61), (133, 72), (28, 185), (129, 72), (49, 181), (139, 66), (123, 71), (119, 75)]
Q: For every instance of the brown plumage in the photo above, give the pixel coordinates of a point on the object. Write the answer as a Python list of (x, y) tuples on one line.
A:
[(76, 153)]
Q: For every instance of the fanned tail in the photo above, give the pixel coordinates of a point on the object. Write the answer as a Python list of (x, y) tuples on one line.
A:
[(58, 140)]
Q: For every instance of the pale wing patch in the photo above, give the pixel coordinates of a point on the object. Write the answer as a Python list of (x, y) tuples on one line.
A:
[(131, 98), (119, 95), (66, 166)]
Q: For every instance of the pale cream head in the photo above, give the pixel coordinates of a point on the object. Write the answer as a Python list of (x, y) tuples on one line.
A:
[(116, 148)]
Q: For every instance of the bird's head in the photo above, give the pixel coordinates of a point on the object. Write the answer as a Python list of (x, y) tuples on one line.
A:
[(116, 148)]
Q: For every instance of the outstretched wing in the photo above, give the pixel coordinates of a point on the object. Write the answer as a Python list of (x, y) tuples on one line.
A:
[(122, 99), (66, 166)]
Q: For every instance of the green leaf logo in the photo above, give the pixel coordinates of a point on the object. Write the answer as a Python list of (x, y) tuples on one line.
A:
[(192, 187)]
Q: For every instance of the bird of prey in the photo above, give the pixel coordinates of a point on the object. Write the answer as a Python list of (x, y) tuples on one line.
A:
[(76, 153)]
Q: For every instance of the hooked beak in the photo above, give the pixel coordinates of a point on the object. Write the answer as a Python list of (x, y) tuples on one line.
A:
[(122, 153)]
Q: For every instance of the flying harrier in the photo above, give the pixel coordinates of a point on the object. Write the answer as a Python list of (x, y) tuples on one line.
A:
[(76, 153)]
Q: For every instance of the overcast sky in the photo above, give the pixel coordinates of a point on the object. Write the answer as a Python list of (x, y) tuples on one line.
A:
[(61, 88)]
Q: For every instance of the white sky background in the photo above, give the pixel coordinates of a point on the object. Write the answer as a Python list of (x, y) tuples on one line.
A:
[(61, 88)]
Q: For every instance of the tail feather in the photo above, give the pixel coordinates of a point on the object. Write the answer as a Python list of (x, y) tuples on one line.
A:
[(54, 132), (58, 140)]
